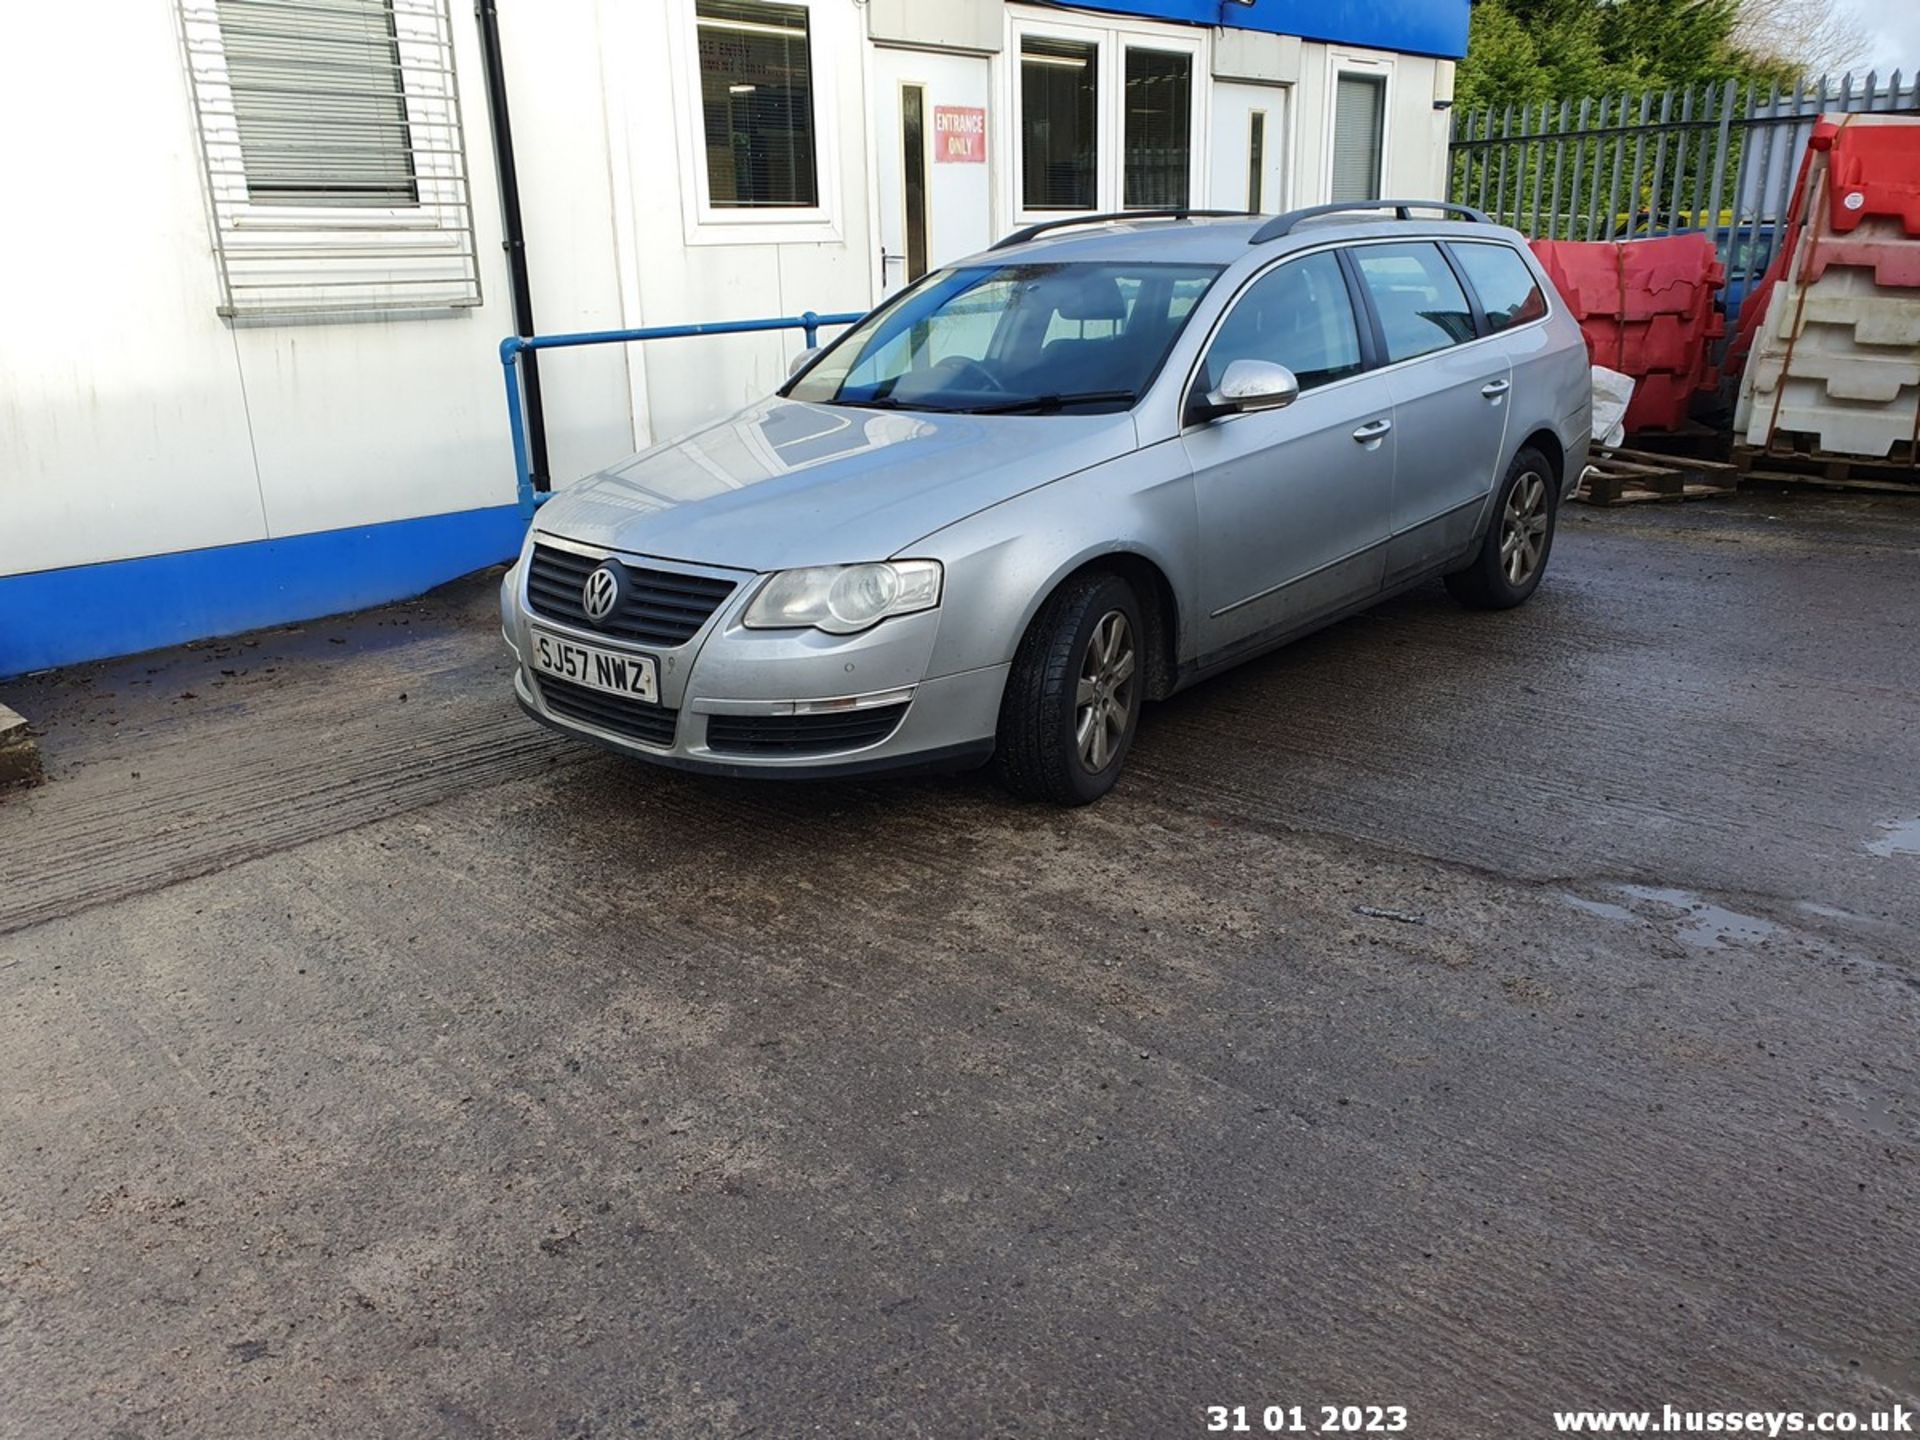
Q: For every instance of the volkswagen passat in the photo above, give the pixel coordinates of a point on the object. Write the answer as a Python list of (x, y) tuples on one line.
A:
[(1050, 483)]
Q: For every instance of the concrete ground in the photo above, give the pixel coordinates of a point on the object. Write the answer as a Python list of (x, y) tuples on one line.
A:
[(1481, 1014)]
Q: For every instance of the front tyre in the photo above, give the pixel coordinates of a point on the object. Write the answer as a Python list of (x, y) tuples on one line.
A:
[(1513, 556), (1074, 693)]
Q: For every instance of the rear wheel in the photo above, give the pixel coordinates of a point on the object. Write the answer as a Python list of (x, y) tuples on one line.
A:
[(1074, 693), (1514, 553)]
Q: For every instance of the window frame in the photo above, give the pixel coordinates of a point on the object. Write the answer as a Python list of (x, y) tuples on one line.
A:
[(703, 222), (1373, 355), (1479, 303), (232, 191), (1125, 46), (1104, 135), (1478, 315), (1111, 38), (1361, 65), (1363, 324), (244, 229)]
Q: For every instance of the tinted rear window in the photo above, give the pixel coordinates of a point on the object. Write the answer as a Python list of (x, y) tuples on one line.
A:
[(1506, 287)]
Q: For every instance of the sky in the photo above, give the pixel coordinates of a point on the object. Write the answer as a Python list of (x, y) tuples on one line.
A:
[(1893, 28)]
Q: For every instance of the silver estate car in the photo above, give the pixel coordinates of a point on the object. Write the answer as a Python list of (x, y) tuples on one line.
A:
[(1046, 484)]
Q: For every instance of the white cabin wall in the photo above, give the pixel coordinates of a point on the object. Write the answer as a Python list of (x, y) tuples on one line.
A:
[(559, 72), (675, 281), (135, 421), (123, 424)]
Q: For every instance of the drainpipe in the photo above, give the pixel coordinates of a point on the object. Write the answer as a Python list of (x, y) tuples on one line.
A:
[(515, 243)]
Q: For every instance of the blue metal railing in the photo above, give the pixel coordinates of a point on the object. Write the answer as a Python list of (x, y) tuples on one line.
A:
[(514, 346)]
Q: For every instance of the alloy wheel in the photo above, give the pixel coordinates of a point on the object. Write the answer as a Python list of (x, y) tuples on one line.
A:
[(1523, 531), (1104, 699)]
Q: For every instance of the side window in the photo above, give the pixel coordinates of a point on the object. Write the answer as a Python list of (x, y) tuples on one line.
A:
[(1299, 316), (1506, 287), (1421, 306)]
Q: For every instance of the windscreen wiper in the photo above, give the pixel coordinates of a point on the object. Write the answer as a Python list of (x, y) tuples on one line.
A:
[(1037, 404), (887, 402)]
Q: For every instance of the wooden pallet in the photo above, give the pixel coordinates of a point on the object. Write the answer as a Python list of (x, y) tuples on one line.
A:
[(1616, 476), (1822, 470)]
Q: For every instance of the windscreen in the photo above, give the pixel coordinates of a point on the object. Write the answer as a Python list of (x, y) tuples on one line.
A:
[(1011, 339)]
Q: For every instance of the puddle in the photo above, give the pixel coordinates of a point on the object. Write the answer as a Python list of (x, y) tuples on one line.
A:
[(1826, 912), (1875, 1113), (1705, 925), (1697, 922), (1870, 1107), (1606, 910), (1897, 837)]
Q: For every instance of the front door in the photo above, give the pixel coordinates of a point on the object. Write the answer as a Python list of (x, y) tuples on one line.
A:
[(1293, 503), (931, 118), (1249, 147)]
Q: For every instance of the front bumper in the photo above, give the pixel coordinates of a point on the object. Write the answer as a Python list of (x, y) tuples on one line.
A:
[(728, 695)]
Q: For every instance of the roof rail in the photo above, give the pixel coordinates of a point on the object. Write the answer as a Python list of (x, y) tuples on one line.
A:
[(1283, 224), (1026, 233)]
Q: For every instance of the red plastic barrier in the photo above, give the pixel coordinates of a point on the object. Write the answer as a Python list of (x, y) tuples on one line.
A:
[(1646, 309), (1674, 344), (1633, 279), (1874, 169), (1893, 262), (1661, 401)]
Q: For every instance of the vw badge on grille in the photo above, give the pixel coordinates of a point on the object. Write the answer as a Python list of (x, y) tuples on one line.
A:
[(600, 594)]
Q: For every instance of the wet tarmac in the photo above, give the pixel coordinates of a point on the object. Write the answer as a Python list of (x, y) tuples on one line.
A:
[(1483, 1014)]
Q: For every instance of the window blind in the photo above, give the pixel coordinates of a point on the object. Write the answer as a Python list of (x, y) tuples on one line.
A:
[(319, 101), (1059, 92), (1359, 125), (756, 95), (1158, 101)]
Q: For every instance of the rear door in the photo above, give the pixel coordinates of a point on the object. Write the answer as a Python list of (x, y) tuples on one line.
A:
[(1293, 502), (1450, 389)]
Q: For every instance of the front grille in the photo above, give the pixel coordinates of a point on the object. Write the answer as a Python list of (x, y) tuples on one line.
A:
[(649, 724), (802, 734), (662, 607)]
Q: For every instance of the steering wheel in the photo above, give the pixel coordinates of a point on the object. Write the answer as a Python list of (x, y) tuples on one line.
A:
[(959, 368)]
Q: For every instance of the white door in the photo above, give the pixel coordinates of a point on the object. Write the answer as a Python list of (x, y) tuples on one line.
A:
[(931, 126), (1249, 147)]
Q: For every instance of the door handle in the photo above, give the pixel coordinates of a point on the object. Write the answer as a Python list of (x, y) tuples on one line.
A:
[(1372, 431), (1494, 389)]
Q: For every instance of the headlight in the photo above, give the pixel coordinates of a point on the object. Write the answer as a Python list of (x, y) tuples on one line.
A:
[(843, 599)]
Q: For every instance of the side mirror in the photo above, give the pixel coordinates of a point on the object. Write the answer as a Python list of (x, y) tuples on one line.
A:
[(801, 361), (1252, 385)]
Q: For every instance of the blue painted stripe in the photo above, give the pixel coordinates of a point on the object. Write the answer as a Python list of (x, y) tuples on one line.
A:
[(1412, 27), (90, 612)]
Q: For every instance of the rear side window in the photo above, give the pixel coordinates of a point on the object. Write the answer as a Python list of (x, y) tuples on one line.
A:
[(1421, 306), (1298, 315), (1506, 287)]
